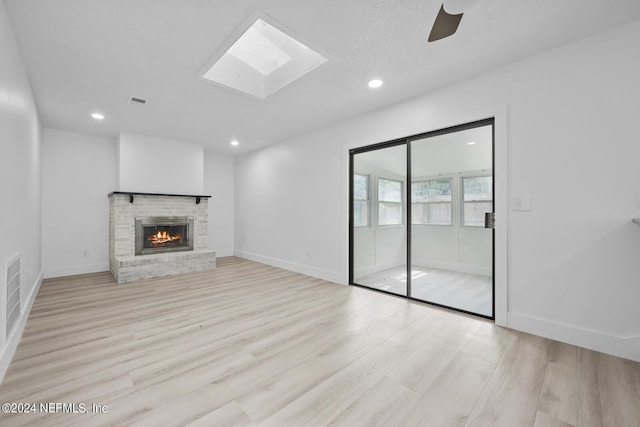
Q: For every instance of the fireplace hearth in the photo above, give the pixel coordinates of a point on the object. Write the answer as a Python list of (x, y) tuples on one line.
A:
[(156, 235), (163, 234)]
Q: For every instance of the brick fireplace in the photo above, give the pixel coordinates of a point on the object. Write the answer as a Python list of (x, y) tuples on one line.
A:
[(153, 235)]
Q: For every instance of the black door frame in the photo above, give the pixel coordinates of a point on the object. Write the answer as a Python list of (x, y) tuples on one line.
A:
[(406, 141)]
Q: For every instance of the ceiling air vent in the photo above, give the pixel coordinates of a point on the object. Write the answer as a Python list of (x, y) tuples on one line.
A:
[(139, 101)]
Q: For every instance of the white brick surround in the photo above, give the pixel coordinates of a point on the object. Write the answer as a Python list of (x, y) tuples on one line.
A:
[(126, 266)]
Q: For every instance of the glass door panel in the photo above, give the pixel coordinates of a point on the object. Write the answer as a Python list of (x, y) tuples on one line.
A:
[(379, 229), (451, 191)]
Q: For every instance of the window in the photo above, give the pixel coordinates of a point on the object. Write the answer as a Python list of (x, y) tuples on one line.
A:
[(477, 199), (431, 202), (360, 200), (389, 202)]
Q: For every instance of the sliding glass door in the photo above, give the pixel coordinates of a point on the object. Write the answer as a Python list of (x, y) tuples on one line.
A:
[(451, 191), (421, 211), (379, 229)]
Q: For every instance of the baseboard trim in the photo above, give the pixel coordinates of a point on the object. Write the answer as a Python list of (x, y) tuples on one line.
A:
[(224, 253), (626, 347), (12, 341), (74, 270), (437, 265), (307, 270), (452, 266), (365, 271)]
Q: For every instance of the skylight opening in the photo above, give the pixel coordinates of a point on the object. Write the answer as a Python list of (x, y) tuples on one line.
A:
[(263, 60), (257, 51)]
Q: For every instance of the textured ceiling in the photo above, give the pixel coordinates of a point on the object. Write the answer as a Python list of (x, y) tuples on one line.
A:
[(88, 55)]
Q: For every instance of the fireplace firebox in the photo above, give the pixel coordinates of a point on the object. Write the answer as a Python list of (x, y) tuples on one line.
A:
[(163, 234)]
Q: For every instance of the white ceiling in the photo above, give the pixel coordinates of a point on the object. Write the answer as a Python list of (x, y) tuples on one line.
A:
[(83, 56)]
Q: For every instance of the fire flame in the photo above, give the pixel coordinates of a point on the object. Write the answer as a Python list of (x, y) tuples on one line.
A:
[(163, 237)]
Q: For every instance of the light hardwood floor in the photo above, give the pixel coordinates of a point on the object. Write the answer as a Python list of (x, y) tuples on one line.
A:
[(249, 344)]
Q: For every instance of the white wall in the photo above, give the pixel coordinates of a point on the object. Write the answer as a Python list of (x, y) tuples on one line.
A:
[(287, 212), (147, 164), (573, 260), (218, 183), (20, 178), (78, 171)]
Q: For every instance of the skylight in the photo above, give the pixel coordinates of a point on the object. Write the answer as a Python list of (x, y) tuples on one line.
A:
[(257, 51), (262, 61)]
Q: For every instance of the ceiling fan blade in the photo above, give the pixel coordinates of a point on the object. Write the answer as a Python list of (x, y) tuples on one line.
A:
[(444, 25)]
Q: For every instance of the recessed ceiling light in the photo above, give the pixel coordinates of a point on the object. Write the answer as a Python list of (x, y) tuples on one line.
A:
[(375, 83), (471, 143), (97, 116), (235, 143)]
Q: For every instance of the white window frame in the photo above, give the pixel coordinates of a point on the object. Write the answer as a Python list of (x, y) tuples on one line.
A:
[(401, 203), (453, 185), (463, 176), (368, 200)]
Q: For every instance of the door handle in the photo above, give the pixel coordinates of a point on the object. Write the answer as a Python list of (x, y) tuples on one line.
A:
[(489, 220)]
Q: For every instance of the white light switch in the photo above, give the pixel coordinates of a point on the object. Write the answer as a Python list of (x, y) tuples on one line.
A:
[(521, 204)]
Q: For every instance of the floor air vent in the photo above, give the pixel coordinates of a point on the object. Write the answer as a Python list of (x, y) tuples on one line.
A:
[(12, 293)]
